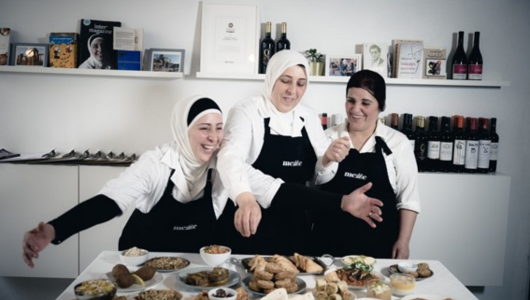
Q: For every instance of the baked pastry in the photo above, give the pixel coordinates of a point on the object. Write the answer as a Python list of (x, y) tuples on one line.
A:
[(307, 264)]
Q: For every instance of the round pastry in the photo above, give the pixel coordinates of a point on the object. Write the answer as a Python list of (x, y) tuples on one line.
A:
[(265, 284), (264, 275), (284, 275)]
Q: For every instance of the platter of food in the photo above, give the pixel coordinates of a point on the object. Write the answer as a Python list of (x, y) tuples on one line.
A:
[(423, 271), (297, 285), (132, 281), (168, 263), (152, 294), (205, 278), (425, 297), (306, 265)]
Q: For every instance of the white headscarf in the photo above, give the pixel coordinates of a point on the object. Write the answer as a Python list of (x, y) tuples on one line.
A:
[(289, 123), (193, 171)]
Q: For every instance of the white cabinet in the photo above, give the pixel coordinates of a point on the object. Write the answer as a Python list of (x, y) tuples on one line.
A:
[(463, 223), (29, 194)]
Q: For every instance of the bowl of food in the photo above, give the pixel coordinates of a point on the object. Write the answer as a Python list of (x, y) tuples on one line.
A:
[(354, 259), (407, 267), (402, 284), (215, 255), (134, 256), (378, 290), (95, 289), (222, 294)]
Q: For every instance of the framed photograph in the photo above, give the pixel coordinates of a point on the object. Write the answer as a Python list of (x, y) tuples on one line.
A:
[(28, 54), (343, 65), (229, 38), (165, 60)]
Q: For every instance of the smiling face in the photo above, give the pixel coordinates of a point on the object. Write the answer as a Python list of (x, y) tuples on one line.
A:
[(362, 110), (289, 89), (96, 48), (205, 136)]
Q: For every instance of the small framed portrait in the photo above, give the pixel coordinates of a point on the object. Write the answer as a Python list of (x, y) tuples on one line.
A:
[(343, 65), (28, 54), (165, 60)]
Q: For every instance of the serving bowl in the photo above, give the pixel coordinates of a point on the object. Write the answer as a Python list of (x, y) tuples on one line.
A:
[(95, 289), (222, 293), (134, 256), (215, 255), (402, 284), (407, 267)]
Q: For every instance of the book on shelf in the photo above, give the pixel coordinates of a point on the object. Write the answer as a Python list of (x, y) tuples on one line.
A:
[(96, 49), (130, 46), (435, 63), (63, 49), (5, 36), (375, 57), (407, 58)]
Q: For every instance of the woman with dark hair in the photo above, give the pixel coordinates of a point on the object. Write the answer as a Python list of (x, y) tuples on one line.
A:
[(382, 156)]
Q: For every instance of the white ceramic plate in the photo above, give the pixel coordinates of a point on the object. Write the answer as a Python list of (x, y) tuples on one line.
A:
[(157, 278), (233, 278), (394, 269), (301, 286), (424, 296)]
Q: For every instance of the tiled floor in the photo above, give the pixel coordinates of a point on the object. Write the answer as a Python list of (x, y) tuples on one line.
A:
[(21, 288)]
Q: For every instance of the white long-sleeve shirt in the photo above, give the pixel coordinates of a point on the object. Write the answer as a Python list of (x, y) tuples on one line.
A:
[(244, 132)]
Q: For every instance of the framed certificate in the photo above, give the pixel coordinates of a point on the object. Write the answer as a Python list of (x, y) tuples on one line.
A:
[(229, 38)]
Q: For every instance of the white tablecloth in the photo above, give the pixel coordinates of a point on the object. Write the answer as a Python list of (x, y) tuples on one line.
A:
[(442, 283)]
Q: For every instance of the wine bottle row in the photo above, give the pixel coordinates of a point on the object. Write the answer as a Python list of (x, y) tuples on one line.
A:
[(267, 47), (471, 147), (464, 67)]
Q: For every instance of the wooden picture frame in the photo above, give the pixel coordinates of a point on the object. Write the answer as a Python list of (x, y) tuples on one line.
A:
[(343, 64), (29, 54), (165, 60)]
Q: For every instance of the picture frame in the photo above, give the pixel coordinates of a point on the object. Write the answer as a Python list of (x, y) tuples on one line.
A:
[(343, 64), (29, 54), (165, 60)]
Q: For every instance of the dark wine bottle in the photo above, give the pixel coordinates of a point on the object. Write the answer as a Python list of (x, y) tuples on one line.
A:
[(407, 129), (446, 146), (474, 66), (459, 141), (484, 148), (283, 42), (494, 145), (471, 163), (266, 49), (459, 62), (420, 147), (433, 146), (324, 121), (394, 121)]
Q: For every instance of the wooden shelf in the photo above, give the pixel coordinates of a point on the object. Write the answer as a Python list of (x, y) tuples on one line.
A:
[(85, 72), (389, 81)]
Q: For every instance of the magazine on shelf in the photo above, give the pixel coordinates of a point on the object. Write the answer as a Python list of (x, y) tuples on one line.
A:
[(408, 59), (435, 63), (375, 57), (63, 49), (5, 35), (96, 44)]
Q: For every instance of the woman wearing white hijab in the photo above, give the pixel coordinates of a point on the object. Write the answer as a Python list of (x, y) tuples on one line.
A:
[(175, 190), (273, 146), (98, 54)]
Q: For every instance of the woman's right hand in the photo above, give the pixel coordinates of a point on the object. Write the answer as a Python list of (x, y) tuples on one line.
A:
[(362, 206), (337, 151), (248, 215), (35, 241)]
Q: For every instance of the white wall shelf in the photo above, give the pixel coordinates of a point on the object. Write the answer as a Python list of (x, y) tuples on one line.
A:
[(389, 81), (85, 72)]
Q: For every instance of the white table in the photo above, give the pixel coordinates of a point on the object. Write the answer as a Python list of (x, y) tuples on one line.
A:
[(443, 283)]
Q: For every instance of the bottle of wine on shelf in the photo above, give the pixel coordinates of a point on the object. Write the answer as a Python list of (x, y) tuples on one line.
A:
[(407, 129), (484, 148), (446, 146), (266, 49), (324, 121), (459, 62), (494, 145), (433, 146), (471, 163), (459, 145), (394, 121), (420, 145), (283, 42), (474, 67)]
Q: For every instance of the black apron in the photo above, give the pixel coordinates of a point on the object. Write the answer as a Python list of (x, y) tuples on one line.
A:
[(172, 226), (282, 231), (340, 233)]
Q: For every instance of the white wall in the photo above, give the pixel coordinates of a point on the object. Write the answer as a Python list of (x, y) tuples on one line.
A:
[(42, 112)]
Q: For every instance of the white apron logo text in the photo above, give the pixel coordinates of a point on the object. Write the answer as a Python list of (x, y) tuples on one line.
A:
[(185, 228), (355, 175), (295, 163)]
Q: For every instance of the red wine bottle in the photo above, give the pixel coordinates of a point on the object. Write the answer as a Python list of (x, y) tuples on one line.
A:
[(446, 146), (459, 62), (471, 163), (407, 129), (394, 121), (420, 145), (494, 145), (474, 67), (484, 147), (283, 42), (459, 141), (433, 146), (266, 49)]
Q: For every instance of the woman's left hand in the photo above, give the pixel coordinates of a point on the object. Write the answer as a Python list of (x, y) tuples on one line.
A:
[(400, 250), (337, 151)]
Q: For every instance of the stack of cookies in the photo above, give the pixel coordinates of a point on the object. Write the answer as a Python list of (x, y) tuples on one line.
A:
[(278, 272)]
